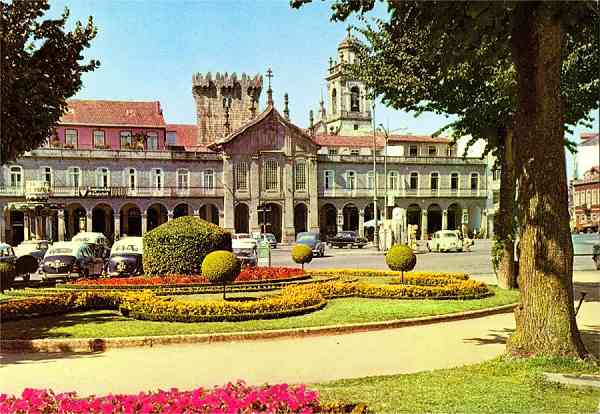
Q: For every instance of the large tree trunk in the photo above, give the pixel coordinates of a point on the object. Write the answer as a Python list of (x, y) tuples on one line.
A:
[(505, 217), (545, 320)]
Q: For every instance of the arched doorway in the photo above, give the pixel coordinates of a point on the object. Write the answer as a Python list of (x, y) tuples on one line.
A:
[(271, 219), (103, 220), (413, 217), (131, 220), (75, 219), (210, 213), (181, 210), (300, 217), (474, 220), (327, 221), (241, 221), (434, 218), (157, 215), (350, 213), (454, 216)]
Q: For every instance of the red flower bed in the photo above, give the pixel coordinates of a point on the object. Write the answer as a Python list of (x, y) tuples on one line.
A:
[(248, 274), (231, 398)]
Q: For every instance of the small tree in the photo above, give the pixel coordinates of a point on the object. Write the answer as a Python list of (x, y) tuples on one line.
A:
[(401, 258), (301, 253), (7, 275), (222, 267)]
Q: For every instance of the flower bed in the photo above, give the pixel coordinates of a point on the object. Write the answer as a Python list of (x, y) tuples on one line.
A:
[(386, 273), (231, 398)]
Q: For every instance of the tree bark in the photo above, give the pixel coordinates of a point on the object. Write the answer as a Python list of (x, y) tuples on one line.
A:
[(545, 319), (504, 226)]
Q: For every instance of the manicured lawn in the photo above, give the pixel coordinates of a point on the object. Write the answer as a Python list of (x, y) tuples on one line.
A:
[(105, 324), (502, 385)]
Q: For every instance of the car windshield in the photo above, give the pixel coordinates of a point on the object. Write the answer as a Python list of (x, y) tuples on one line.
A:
[(449, 235), (60, 250), (306, 238), (5, 251), (270, 237)]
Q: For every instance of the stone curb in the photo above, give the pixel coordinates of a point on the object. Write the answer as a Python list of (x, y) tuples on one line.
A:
[(100, 344)]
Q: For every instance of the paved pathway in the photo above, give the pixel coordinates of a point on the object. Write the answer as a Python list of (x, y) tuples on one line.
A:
[(404, 350)]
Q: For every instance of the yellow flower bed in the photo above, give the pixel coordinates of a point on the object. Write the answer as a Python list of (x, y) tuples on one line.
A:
[(386, 273)]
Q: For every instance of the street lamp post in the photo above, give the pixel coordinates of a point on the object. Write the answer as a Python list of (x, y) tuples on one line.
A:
[(376, 230)]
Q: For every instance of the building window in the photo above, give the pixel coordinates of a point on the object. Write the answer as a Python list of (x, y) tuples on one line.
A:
[(434, 181), (474, 182), (241, 176), (334, 101), (332, 151), (102, 178), (454, 181), (157, 180), (300, 175), (393, 183), (588, 199), (171, 138), (432, 151), (329, 179), (356, 127), (271, 175), (47, 176), (449, 151), (496, 174), (99, 139), (414, 181), (183, 179), (413, 150), (370, 180), (71, 138), (74, 176), (152, 141), (350, 180), (209, 179), (16, 177), (126, 141), (131, 179), (495, 197), (354, 152), (354, 99)]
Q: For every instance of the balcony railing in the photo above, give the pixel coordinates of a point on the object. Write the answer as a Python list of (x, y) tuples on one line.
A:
[(379, 159), (86, 152), (118, 192), (406, 193)]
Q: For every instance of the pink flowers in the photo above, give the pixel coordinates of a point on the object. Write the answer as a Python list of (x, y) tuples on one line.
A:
[(231, 398)]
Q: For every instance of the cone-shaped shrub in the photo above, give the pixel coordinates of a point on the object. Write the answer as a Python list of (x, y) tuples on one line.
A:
[(301, 253), (179, 246), (221, 267), (7, 275), (401, 258)]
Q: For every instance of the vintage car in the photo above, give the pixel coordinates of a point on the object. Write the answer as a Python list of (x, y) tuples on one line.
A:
[(445, 241), (245, 250), (247, 237), (100, 244), (35, 248), (347, 238), (69, 260), (312, 240), (7, 253), (126, 258), (266, 237)]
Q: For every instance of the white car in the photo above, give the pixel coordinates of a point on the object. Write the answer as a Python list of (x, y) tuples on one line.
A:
[(445, 241), (246, 238), (245, 251)]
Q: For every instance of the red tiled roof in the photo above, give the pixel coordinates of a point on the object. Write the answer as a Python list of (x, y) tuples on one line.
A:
[(187, 135), (367, 140), (100, 112)]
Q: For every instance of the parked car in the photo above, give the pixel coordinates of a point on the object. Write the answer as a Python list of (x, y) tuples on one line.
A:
[(444, 241), (348, 238), (596, 255), (312, 240), (100, 244), (69, 260), (35, 248), (7, 253), (126, 258), (247, 237), (245, 251), (266, 237)]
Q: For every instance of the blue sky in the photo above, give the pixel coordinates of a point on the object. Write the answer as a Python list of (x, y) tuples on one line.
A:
[(149, 50)]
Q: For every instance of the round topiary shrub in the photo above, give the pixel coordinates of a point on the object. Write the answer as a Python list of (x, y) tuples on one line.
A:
[(301, 253), (221, 267), (7, 275), (26, 265), (401, 258), (179, 246)]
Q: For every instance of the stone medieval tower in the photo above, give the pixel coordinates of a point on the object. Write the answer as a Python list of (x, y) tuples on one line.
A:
[(224, 103)]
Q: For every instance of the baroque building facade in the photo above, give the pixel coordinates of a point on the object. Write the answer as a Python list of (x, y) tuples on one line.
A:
[(119, 168)]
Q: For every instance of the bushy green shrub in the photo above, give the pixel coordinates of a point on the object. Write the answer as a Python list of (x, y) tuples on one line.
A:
[(301, 253), (221, 267), (7, 275), (179, 246), (401, 258), (25, 265)]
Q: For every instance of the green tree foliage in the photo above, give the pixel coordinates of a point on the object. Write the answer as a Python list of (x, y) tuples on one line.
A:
[(538, 52), (41, 67)]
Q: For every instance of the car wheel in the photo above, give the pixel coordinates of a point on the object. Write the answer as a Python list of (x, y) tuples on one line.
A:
[(437, 248)]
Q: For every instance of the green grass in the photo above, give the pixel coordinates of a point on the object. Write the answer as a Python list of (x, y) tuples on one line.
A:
[(502, 385), (106, 324)]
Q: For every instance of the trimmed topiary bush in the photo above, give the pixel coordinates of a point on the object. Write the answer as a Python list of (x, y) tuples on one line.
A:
[(401, 258), (179, 246), (26, 265), (221, 267), (7, 275), (301, 253)]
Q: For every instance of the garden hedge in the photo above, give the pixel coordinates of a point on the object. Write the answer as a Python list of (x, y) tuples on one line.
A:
[(7, 275), (179, 246), (384, 273)]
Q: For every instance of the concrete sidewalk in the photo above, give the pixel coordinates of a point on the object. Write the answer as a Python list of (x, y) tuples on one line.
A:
[(313, 359)]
